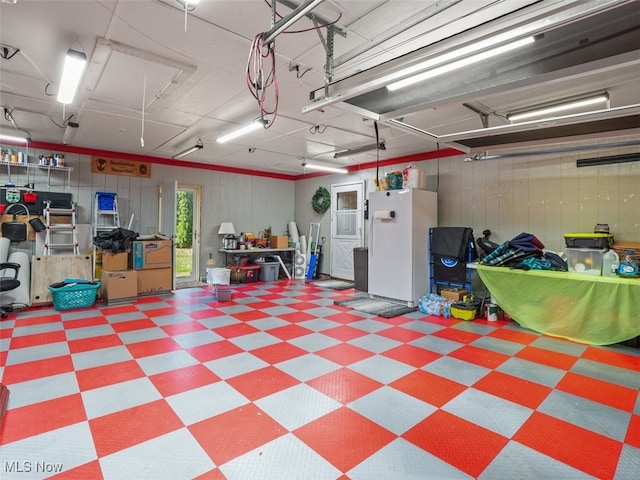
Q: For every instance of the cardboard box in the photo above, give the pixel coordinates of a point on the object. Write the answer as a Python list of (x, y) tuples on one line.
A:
[(114, 262), (279, 241), (118, 285), (157, 280), (455, 294), (155, 252)]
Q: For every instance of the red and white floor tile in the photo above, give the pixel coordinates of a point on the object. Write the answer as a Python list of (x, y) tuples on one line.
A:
[(280, 383)]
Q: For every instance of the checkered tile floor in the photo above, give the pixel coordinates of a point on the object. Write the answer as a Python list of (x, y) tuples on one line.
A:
[(282, 384)]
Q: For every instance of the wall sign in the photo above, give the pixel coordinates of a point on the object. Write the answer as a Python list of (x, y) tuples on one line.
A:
[(118, 166)]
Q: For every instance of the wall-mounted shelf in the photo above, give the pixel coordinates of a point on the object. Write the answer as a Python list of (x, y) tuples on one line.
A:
[(48, 168)]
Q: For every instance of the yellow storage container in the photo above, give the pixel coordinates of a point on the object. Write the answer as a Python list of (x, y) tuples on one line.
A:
[(463, 311)]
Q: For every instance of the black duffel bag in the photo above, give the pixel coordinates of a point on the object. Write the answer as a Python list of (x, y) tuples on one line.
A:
[(116, 240)]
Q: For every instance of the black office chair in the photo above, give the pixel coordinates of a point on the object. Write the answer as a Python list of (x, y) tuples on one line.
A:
[(8, 283)]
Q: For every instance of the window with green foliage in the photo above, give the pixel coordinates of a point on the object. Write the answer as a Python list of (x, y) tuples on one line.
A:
[(184, 224)]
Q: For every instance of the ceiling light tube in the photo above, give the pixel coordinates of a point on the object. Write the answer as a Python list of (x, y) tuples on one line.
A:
[(189, 150), (74, 63), (13, 138), (241, 131), (324, 168), (478, 57), (364, 148), (474, 47), (558, 107)]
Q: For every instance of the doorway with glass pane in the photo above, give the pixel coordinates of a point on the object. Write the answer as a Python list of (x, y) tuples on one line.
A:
[(187, 234), (347, 219)]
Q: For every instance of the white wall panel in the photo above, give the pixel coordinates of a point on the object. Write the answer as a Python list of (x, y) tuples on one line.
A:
[(545, 194)]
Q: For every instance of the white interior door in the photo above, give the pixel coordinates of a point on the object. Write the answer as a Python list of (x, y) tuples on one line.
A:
[(169, 216), (347, 220)]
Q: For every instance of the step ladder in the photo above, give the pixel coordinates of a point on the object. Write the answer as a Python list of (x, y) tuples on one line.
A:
[(105, 219), (60, 236)]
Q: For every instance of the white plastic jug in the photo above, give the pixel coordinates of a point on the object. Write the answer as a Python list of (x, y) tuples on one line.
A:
[(610, 262)]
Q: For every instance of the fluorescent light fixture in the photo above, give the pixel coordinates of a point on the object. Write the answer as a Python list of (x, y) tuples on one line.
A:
[(13, 138), (364, 148), (226, 228), (189, 150), (241, 131), (558, 107), (74, 63), (478, 57), (324, 168)]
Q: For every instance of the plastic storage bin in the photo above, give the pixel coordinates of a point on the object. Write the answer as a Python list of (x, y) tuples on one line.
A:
[(585, 260), (106, 200), (248, 274), (223, 293), (218, 276), (269, 271)]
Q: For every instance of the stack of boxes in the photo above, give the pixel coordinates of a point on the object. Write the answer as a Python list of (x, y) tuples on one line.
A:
[(151, 257), (118, 284), (146, 269)]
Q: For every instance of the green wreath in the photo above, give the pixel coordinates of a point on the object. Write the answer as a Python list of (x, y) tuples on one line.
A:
[(321, 200)]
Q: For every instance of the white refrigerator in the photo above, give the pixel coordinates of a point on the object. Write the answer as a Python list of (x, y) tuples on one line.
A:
[(399, 223)]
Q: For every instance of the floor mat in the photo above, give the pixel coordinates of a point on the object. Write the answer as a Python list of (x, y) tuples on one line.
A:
[(196, 284), (382, 308), (334, 284)]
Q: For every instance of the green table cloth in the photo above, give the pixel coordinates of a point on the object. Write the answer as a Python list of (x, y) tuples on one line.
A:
[(585, 308)]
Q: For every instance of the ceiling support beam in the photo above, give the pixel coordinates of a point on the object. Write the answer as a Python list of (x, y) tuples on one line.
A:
[(285, 22), (317, 19), (481, 110)]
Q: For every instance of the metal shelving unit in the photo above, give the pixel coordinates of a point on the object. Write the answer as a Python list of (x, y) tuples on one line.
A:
[(48, 168)]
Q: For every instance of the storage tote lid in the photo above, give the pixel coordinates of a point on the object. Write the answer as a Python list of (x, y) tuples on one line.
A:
[(588, 235), (586, 249)]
